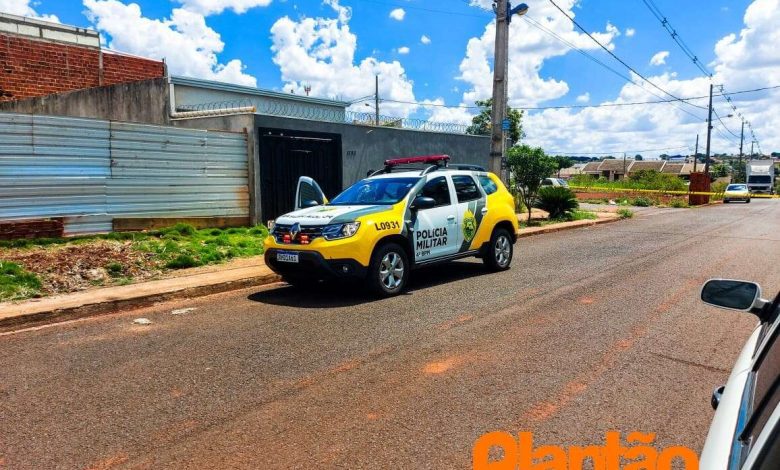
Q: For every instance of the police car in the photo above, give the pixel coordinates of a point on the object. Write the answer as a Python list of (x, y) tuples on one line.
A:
[(415, 212)]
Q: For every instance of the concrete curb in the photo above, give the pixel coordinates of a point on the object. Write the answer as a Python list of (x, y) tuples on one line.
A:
[(531, 231), (36, 313), (66, 307)]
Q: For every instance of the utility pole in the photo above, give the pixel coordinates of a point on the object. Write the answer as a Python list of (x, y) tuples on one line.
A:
[(696, 153), (376, 99), (709, 137), (500, 65), (624, 165), (741, 141), (504, 12), (751, 148)]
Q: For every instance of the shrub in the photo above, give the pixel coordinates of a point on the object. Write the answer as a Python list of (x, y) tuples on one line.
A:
[(186, 230), (182, 262), (678, 203), (558, 201), (625, 213), (719, 187), (115, 269), (642, 201)]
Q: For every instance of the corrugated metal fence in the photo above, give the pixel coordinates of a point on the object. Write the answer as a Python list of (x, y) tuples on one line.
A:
[(90, 171)]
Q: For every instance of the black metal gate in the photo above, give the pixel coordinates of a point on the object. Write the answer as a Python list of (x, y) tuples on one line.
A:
[(285, 156)]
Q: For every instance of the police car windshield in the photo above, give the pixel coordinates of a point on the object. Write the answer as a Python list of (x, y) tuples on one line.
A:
[(382, 191)]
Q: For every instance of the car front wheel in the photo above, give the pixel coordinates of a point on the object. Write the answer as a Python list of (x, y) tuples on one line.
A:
[(500, 250), (388, 271)]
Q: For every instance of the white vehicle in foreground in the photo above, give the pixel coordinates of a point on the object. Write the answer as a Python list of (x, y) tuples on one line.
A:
[(745, 432)]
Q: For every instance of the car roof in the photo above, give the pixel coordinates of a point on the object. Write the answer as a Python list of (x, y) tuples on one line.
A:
[(418, 173)]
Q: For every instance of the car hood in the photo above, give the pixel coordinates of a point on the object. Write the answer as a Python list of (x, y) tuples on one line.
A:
[(324, 215)]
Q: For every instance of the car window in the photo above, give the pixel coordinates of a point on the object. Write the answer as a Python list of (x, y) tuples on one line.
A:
[(766, 386), (466, 188), (547, 182), (438, 190), (736, 187), (488, 185), (375, 191), (770, 460)]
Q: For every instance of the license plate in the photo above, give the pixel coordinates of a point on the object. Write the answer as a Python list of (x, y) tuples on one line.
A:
[(287, 257)]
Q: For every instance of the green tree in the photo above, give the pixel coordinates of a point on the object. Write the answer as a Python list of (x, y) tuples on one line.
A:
[(529, 166), (480, 124), (563, 163), (638, 157), (719, 171)]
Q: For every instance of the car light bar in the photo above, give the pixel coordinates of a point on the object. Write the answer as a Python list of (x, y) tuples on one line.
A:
[(430, 159)]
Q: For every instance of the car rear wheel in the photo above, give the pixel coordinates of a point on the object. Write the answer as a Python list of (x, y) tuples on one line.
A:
[(388, 271), (748, 201), (499, 251)]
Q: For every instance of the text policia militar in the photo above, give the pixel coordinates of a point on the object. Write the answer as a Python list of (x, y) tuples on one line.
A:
[(432, 238), (501, 450)]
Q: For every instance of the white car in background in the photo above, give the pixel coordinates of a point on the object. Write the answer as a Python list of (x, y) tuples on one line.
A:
[(745, 432), (554, 182)]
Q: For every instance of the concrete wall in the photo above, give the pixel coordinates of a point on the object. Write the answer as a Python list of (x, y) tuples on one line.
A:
[(143, 101), (367, 147)]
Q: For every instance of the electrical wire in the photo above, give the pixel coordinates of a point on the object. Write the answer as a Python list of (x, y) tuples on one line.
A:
[(556, 152)]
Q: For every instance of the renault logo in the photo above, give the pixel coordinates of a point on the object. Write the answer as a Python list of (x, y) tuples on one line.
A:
[(295, 230)]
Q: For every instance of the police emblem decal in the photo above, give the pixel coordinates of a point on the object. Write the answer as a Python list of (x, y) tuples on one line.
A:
[(469, 226)]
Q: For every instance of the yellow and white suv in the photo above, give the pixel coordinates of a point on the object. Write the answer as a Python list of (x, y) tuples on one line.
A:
[(398, 219)]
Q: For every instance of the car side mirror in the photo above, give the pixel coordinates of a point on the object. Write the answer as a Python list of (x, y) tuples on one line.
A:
[(734, 295), (422, 202), (309, 203)]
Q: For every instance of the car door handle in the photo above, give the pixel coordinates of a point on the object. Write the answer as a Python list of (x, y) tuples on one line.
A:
[(451, 218), (484, 210)]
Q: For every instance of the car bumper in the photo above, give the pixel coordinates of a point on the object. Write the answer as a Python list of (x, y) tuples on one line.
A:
[(313, 265), (736, 197)]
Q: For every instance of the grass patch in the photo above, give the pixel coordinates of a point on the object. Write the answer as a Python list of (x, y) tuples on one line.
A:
[(580, 215), (16, 283), (625, 213), (115, 269)]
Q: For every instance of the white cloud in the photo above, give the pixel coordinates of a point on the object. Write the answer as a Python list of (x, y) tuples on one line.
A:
[(743, 60), (526, 85), (188, 44), (403, 50), (630, 32), (211, 7), (659, 58), (398, 14), (583, 98), (321, 52), (24, 8), (425, 39)]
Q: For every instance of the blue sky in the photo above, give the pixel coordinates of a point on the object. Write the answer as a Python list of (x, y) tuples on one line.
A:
[(263, 42), (246, 37)]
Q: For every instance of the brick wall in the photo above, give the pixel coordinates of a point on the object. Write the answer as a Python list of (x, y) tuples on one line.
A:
[(31, 68), (32, 228)]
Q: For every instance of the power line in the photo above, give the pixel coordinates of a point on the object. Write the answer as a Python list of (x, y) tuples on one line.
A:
[(650, 4), (606, 49), (569, 106)]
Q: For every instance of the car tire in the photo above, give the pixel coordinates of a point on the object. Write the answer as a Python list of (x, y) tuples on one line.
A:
[(498, 255), (388, 271), (748, 201), (725, 201)]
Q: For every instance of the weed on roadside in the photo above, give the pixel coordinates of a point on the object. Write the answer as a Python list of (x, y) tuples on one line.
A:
[(625, 213), (16, 283)]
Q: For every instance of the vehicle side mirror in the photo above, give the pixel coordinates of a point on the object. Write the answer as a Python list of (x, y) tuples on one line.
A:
[(309, 203), (422, 202), (733, 295)]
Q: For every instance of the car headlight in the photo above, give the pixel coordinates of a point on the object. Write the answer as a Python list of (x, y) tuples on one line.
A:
[(336, 231)]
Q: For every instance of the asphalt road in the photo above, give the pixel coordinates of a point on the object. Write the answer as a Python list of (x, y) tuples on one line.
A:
[(591, 330)]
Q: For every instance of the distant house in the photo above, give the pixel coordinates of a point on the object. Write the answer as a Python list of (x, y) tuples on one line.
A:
[(618, 169)]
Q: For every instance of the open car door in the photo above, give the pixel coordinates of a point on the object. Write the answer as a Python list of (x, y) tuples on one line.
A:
[(308, 193)]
